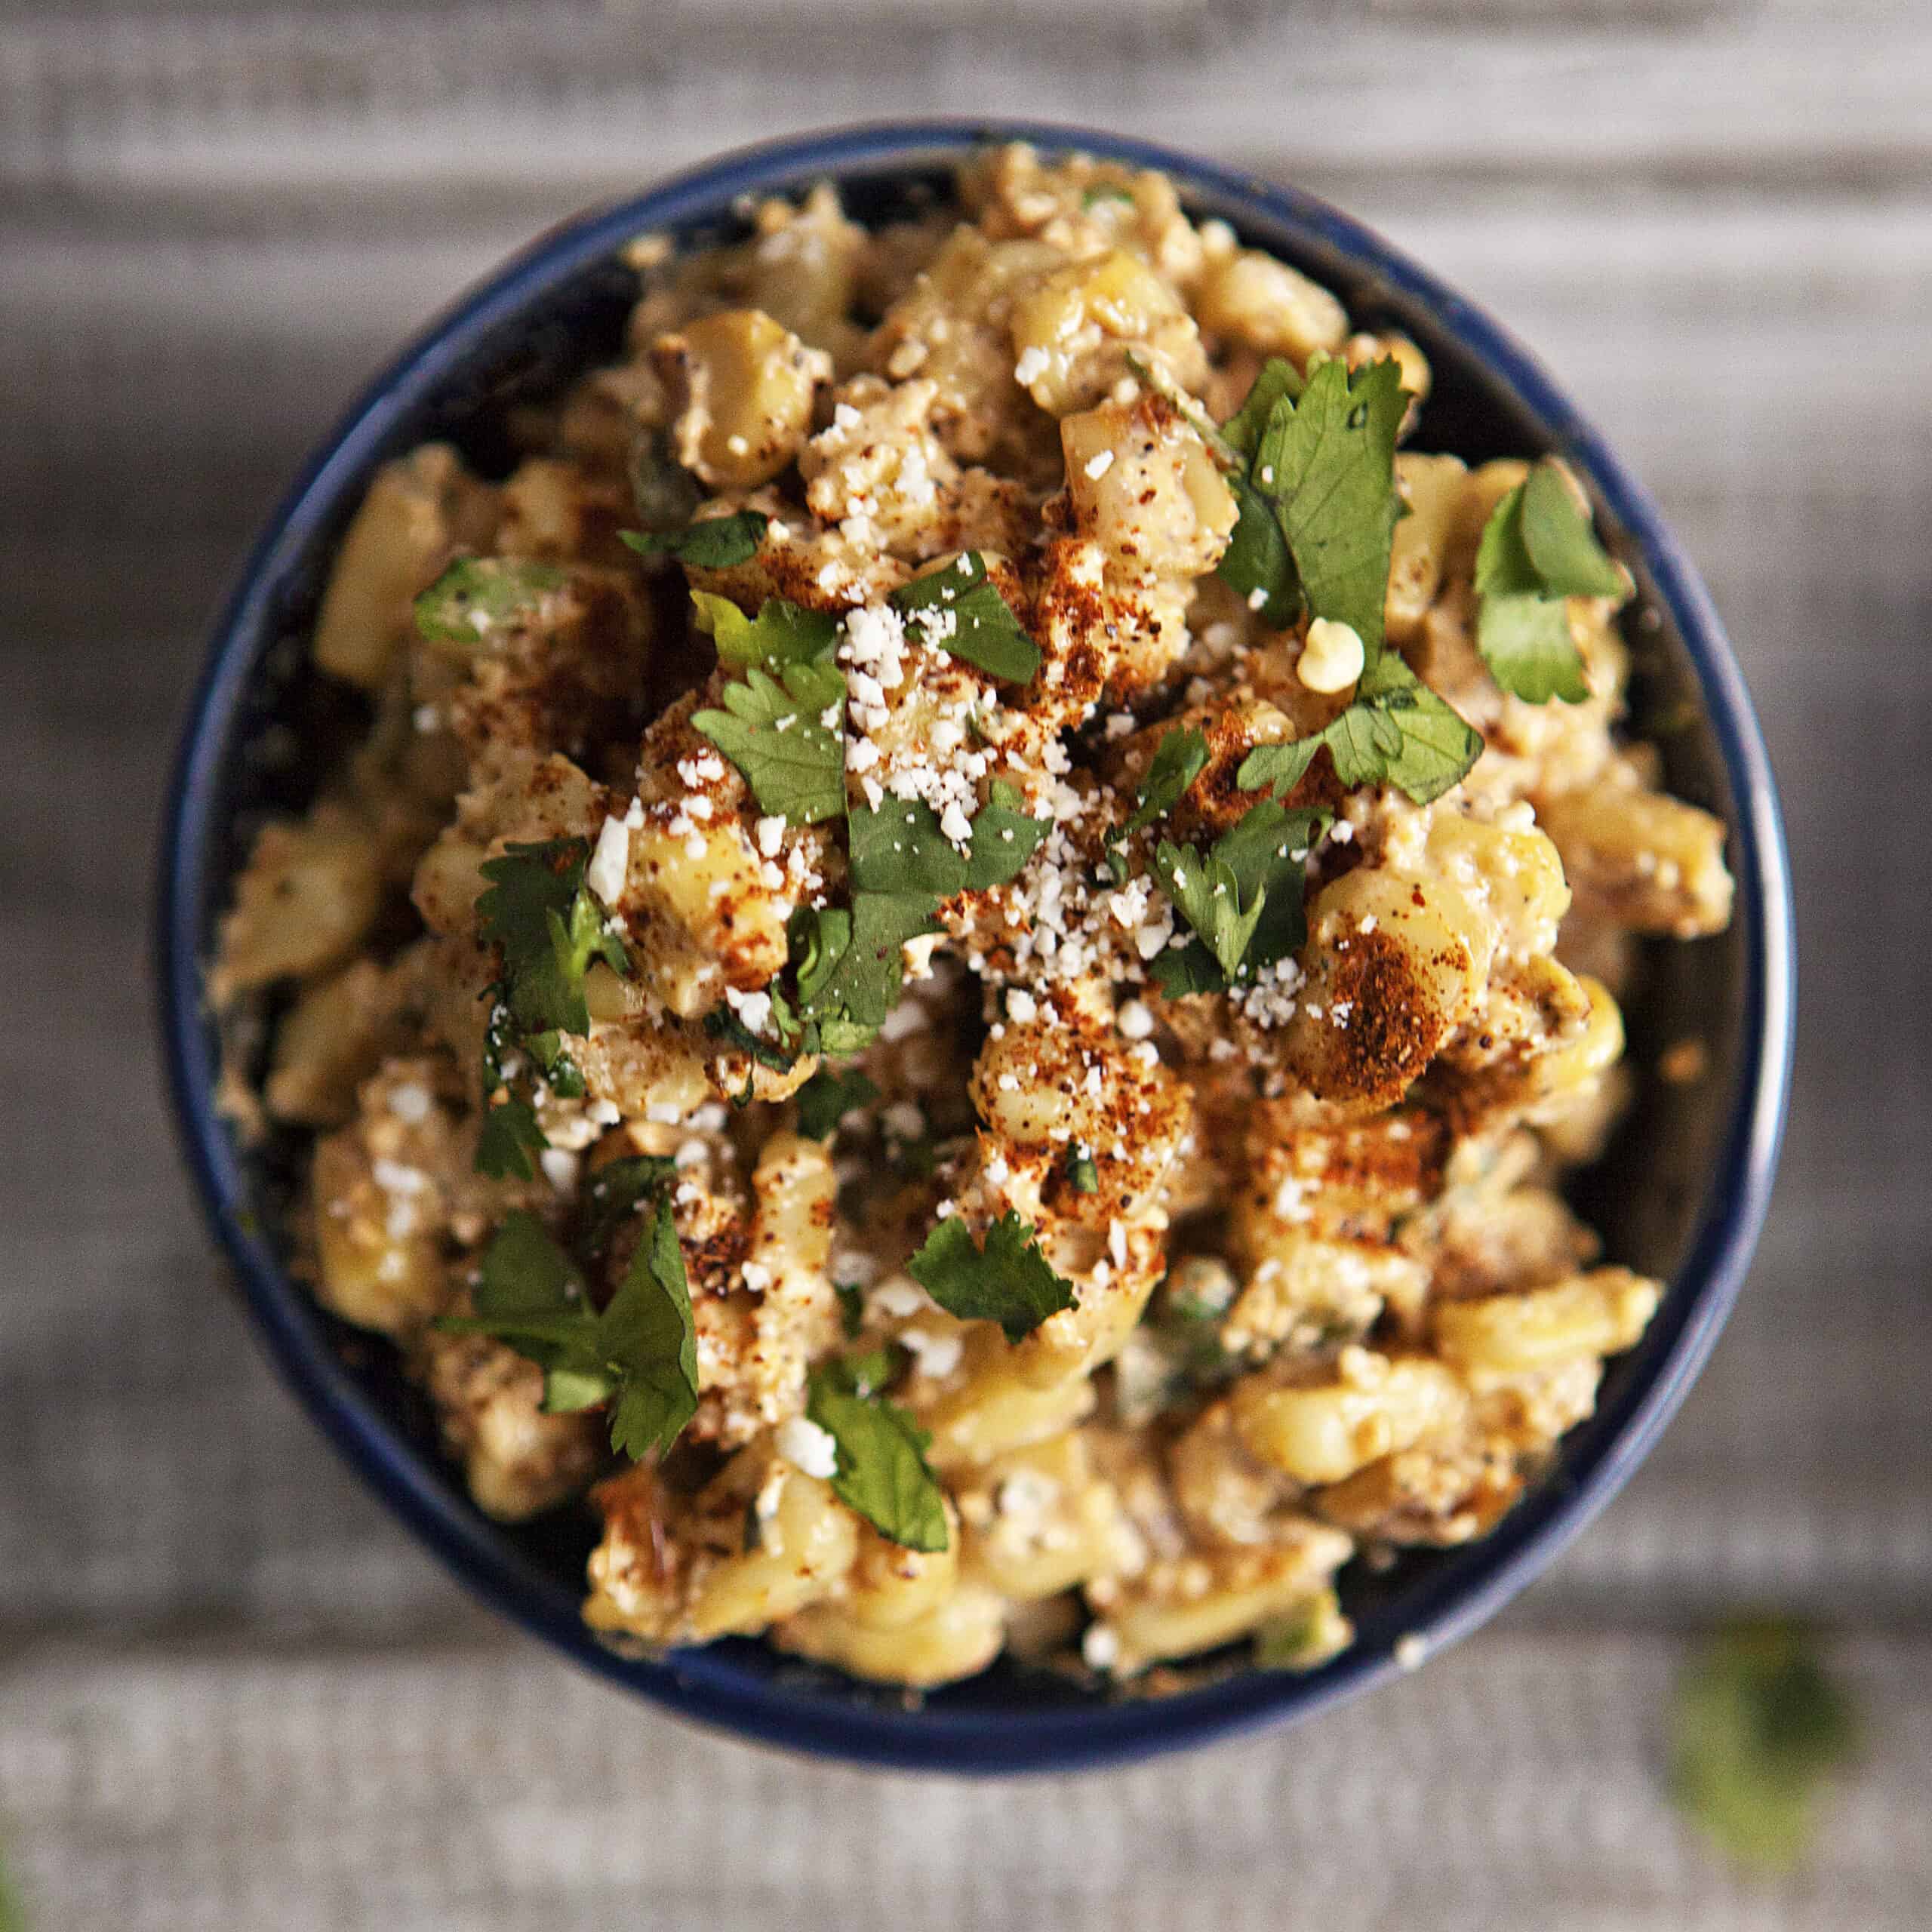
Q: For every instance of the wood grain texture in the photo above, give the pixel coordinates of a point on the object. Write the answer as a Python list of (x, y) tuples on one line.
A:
[(232, 1693)]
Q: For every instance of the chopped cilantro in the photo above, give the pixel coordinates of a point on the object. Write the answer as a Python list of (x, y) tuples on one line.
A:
[(1008, 1281), (780, 634), (478, 597), (721, 1023), (511, 1133), (1556, 529), (640, 1354), (1396, 732), (613, 1194), (712, 544), (1004, 838), (827, 1098), (772, 729), (1080, 1171), (1279, 381), (1243, 898), (1537, 551), (852, 1307), (1179, 759), (1208, 894), (851, 964), (1759, 1726), (1256, 563), (548, 928), (1105, 191), (959, 609), (882, 1471), (1327, 464)]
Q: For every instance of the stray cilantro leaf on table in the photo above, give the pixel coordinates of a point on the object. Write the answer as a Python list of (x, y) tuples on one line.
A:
[(712, 544), (1396, 731), (1758, 1728), (782, 633), (1537, 551), (827, 1098), (882, 1471), (477, 597), (773, 729), (959, 609), (1008, 1281)]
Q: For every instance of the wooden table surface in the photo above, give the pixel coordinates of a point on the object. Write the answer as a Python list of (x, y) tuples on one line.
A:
[(232, 1693)]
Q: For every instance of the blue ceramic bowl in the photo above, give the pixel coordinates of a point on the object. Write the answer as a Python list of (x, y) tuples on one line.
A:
[(1682, 1193)]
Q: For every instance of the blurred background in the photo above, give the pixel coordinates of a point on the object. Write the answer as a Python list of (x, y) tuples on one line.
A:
[(232, 1693)]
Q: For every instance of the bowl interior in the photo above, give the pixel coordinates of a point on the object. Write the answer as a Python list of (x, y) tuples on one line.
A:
[(267, 729)]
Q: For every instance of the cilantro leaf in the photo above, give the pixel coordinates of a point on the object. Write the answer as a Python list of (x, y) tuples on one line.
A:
[(1105, 191), (772, 729), (1008, 1281), (641, 1353), (958, 609), (1396, 732), (852, 964), (852, 1307), (1305, 1637), (1256, 563), (1004, 838), (899, 848), (1759, 1726), (882, 1471), (1556, 533), (1537, 551), (614, 1193), (1082, 1173), (1208, 894), (827, 1098), (1278, 379), (1182, 970), (551, 928), (648, 1335), (511, 1133), (712, 544), (781, 633), (477, 597), (721, 1023), (1179, 759), (1327, 463), (1267, 852)]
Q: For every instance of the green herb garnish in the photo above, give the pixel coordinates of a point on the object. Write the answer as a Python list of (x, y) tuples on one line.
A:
[(550, 928), (1537, 551), (1081, 1174), (476, 599), (1008, 1281), (882, 1471), (957, 609), (827, 1098), (775, 730), (1179, 759), (1396, 732), (782, 633), (712, 544), (640, 1354)]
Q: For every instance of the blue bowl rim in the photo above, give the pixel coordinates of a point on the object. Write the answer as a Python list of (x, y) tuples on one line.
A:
[(709, 1687)]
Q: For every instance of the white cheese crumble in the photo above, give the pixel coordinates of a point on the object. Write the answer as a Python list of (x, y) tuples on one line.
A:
[(935, 1356), (1031, 367), (560, 1169), (808, 1448), (410, 1103), (1135, 1020), (1098, 466), (611, 862)]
